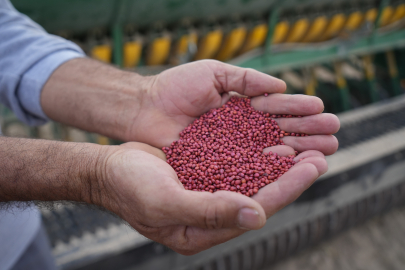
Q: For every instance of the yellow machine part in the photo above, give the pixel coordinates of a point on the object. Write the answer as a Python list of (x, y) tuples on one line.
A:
[(354, 21), (209, 45), (298, 31), (392, 65), (368, 67), (132, 51), (310, 88), (102, 53), (336, 24), (255, 38), (158, 51), (340, 79), (280, 32), (399, 13), (386, 16), (182, 43), (233, 42), (103, 140), (66, 133), (371, 14), (316, 29)]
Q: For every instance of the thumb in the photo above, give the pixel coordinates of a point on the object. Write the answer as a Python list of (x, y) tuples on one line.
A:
[(222, 209), (245, 81), (144, 147), (281, 150)]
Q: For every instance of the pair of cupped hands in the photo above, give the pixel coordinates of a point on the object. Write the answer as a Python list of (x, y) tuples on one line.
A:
[(145, 190)]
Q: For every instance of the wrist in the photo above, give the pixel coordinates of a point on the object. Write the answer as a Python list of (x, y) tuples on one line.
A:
[(90, 174), (48, 171), (95, 185), (138, 92), (106, 184), (94, 97)]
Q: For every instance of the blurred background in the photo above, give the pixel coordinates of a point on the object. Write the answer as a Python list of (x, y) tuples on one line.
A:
[(350, 53)]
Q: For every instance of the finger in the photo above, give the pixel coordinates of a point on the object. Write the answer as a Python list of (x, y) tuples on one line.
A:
[(309, 153), (327, 144), (288, 104), (287, 188), (188, 240), (324, 123), (203, 239), (222, 209), (273, 197), (319, 162), (245, 81), (146, 148), (225, 98), (281, 150)]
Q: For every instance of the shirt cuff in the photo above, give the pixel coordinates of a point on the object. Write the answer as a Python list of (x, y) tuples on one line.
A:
[(32, 82)]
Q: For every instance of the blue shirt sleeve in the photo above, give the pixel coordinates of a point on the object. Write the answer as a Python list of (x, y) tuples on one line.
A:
[(28, 56)]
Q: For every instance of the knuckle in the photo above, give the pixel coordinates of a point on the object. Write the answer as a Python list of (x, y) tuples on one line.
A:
[(187, 249), (191, 247), (187, 252), (212, 218)]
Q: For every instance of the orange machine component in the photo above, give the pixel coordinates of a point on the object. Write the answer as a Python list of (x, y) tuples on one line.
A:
[(371, 15), (280, 32), (386, 16), (318, 26), (184, 41), (298, 31), (132, 51), (354, 21), (158, 51), (209, 45), (233, 42), (255, 38), (398, 14), (336, 25), (102, 52)]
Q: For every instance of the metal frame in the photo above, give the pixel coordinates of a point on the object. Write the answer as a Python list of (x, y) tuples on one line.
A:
[(310, 55)]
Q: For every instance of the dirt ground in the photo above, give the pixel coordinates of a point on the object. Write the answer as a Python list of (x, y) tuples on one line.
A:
[(378, 244)]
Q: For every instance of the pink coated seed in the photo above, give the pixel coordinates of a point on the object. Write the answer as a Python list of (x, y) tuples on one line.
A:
[(223, 150)]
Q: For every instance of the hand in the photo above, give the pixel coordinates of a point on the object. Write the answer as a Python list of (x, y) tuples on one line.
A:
[(176, 97), (96, 97), (144, 190)]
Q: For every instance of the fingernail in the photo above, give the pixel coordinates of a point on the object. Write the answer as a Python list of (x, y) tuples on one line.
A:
[(249, 219)]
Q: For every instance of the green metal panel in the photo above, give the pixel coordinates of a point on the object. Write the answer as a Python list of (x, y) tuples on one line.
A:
[(170, 11), (393, 72), (312, 55), (83, 15), (359, 90), (117, 48), (70, 15), (273, 19)]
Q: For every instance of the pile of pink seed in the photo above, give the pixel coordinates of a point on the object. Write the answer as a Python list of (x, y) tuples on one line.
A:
[(223, 150)]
